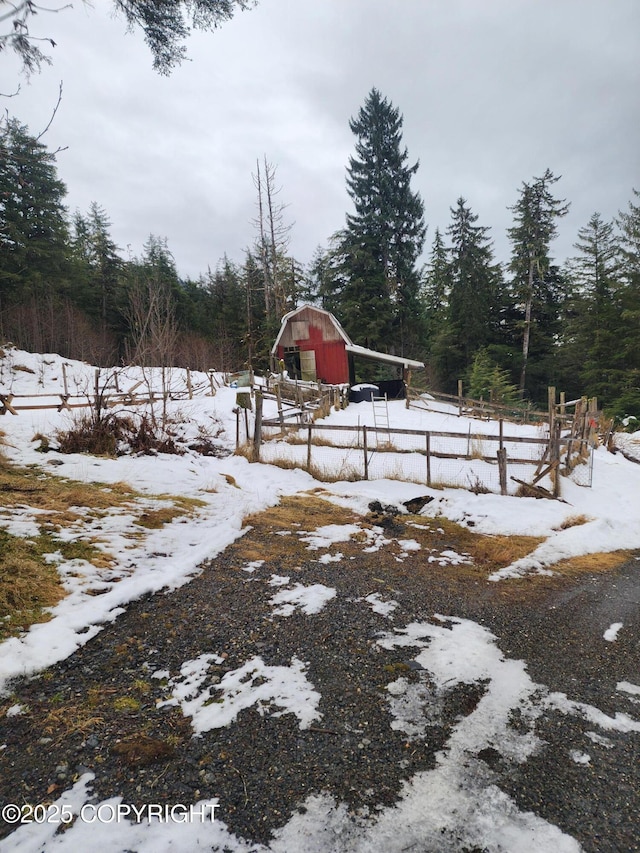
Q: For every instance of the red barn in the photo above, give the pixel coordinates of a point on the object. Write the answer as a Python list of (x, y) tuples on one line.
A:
[(315, 348)]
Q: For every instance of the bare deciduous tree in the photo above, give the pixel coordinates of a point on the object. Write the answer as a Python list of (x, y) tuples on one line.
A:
[(273, 241)]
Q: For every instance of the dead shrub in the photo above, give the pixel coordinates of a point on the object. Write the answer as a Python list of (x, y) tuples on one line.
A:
[(573, 521), (111, 434)]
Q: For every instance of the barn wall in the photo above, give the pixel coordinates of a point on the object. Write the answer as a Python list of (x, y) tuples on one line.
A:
[(311, 319), (313, 331)]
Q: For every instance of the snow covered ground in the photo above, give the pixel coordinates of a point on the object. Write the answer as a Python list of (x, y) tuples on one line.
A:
[(230, 489)]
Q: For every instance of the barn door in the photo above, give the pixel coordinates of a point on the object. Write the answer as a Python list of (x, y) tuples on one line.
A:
[(308, 366)]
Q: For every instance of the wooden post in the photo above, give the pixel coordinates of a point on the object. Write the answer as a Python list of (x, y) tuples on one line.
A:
[(428, 441), (366, 453), (5, 404), (309, 428), (237, 427), (459, 397), (555, 458), (502, 470), (563, 406), (257, 428), (551, 391), (280, 413), (96, 388), (501, 434)]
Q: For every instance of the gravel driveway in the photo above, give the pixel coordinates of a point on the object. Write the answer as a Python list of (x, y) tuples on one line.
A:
[(102, 709)]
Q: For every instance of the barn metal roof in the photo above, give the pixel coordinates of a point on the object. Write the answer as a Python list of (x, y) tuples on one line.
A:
[(354, 349), (372, 355)]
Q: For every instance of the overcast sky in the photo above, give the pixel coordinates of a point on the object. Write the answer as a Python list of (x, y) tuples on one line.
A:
[(492, 93)]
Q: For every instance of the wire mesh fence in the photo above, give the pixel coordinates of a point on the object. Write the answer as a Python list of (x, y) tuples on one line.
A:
[(477, 462)]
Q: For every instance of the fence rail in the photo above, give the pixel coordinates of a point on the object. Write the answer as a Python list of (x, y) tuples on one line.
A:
[(106, 395), (431, 457)]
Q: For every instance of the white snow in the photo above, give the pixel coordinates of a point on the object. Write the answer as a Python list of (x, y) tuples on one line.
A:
[(323, 537), (309, 599), (611, 634), (465, 808), (253, 684), (580, 757), (378, 605), (628, 687)]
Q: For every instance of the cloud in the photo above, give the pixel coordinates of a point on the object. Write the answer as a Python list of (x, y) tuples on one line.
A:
[(492, 94)]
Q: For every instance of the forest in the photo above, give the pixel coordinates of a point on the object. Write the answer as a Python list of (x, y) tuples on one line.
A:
[(507, 330)]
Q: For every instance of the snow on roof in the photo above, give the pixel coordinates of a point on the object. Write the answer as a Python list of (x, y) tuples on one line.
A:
[(354, 349), (372, 355)]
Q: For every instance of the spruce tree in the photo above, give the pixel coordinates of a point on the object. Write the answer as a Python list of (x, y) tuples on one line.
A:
[(101, 268), (474, 282), (593, 325), (487, 381), (536, 285), (34, 254), (439, 335), (379, 303), (629, 331)]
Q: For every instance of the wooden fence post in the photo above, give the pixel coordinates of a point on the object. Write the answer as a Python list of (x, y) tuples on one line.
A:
[(555, 459), (257, 428), (309, 428), (502, 470), (366, 454), (279, 401), (96, 388), (428, 442), (459, 397), (551, 391)]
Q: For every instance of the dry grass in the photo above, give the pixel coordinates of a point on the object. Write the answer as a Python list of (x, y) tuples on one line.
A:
[(29, 584), (488, 553), (68, 720), (573, 521), (45, 491), (591, 563), (293, 514), (305, 513)]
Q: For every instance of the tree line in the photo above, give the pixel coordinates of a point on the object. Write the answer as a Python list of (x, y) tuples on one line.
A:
[(508, 330)]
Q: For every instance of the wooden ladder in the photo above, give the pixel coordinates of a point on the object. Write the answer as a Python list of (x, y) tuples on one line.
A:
[(381, 420)]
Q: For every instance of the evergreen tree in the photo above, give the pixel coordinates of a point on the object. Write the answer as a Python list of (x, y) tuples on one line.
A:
[(165, 23), (628, 347), (33, 227), (440, 337), (590, 347), (228, 315), (101, 268), (437, 285), (537, 287), (379, 300), (474, 281), (629, 223), (487, 381)]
